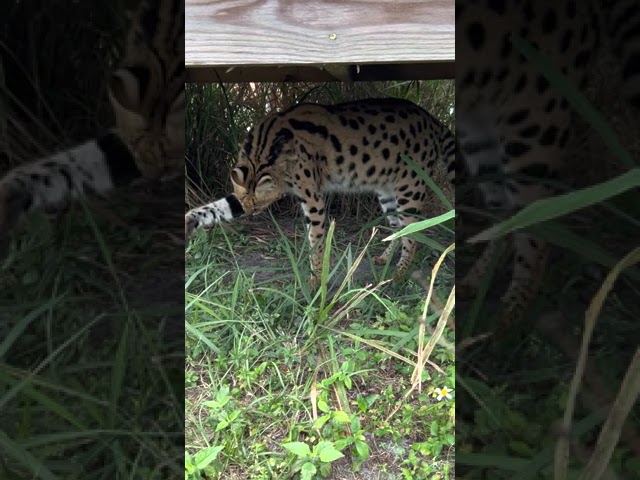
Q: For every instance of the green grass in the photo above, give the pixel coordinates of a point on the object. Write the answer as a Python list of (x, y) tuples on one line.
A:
[(91, 332), (279, 378), (89, 371), (516, 386)]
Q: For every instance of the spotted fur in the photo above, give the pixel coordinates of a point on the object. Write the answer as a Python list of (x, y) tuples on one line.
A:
[(146, 92), (512, 123), (311, 150)]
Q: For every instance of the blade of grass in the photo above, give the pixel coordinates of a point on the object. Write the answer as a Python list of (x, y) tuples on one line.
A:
[(557, 234), (17, 330), (591, 316), (421, 225), (17, 451), (432, 185), (603, 455), (549, 208)]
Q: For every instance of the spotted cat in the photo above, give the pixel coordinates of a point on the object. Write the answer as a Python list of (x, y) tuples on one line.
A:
[(512, 122), (310, 150), (146, 92)]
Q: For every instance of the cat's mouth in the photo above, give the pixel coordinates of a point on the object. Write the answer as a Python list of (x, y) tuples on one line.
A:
[(258, 209), (254, 211)]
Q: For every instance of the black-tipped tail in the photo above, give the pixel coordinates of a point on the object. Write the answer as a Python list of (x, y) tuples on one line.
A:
[(119, 159)]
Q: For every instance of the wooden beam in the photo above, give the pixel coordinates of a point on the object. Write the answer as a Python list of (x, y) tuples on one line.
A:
[(366, 73), (306, 38)]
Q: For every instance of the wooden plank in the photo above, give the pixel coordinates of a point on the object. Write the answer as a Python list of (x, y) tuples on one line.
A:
[(242, 33)]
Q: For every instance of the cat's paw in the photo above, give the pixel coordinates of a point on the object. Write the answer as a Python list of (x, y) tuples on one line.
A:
[(314, 281), (380, 260)]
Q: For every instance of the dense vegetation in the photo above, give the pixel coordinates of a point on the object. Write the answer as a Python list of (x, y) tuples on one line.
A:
[(91, 329)]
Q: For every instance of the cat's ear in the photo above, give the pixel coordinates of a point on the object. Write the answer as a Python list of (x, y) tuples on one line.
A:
[(124, 89), (239, 177), (124, 94)]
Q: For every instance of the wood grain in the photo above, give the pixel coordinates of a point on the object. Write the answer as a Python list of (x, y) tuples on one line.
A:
[(243, 33)]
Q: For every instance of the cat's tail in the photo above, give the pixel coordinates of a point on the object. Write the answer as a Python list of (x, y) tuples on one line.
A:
[(94, 167), (225, 209)]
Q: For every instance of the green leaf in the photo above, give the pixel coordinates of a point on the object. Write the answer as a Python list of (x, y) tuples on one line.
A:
[(221, 424), (340, 417), (355, 424), (434, 428), (223, 395), (308, 471), (319, 423), (322, 405), (327, 452), (188, 463), (300, 449), (343, 443), (362, 448), (207, 455)]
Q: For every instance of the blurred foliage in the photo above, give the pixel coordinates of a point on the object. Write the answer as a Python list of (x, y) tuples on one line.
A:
[(54, 59)]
